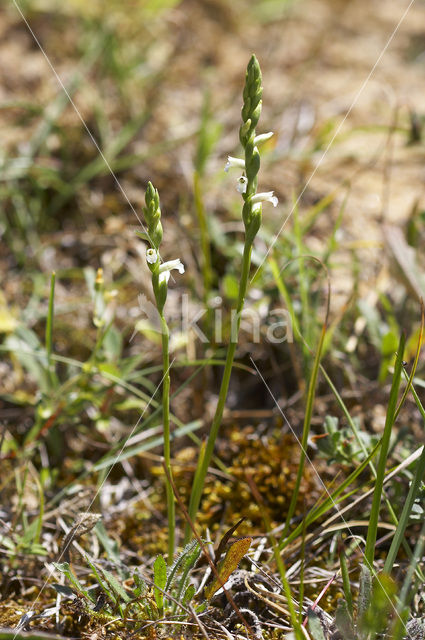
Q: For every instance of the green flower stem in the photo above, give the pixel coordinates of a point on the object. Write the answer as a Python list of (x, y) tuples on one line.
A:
[(251, 215), (197, 490), (166, 422), (206, 264)]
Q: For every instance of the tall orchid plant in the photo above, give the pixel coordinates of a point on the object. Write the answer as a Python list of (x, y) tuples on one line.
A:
[(251, 214)]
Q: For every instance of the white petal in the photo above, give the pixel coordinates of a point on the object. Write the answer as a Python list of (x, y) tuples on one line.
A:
[(164, 276), (263, 137), (172, 264), (234, 162), (265, 197)]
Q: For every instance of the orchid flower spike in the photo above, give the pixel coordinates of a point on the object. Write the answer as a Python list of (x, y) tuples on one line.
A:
[(234, 162), (166, 267)]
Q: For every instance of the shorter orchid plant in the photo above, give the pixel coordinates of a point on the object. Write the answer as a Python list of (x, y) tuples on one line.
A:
[(160, 277)]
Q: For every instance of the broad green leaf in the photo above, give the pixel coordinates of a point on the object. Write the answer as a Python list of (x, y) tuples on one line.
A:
[(63, 590), (375, 619), (344, 621), (160, 580), (141, 587), (315, 626), (365, 590), (230, 562)]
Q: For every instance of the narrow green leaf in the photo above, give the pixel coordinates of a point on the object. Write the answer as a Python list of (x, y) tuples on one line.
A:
[(406, 512), (64, 591), (179, 562), (188, 594), (141, 586), (115, 585), (102, 583), (389, 421), (64, 568), (376, 617), (306, 430)]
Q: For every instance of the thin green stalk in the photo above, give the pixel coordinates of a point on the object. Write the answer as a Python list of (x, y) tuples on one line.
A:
[(207, 273), (303, 289), (204, 462), (405, 514), (49, 330), (37, 534), (360, 443), (306, 430), (167, 448), (331, 500), (407, 592), (295, 621), (389, 421), (302, 568)]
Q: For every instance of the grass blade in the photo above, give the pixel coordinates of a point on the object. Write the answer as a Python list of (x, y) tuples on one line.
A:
[(389, 422), (405, 514), (306, 430)]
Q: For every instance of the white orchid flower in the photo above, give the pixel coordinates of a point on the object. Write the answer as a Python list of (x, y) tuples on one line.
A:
[(151, 256), (265, 197), (242, 184), (166, 267), (234, 162)]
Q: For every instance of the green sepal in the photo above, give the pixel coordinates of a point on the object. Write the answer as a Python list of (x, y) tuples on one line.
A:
[(255, 113), (152, 213), (251, 229), (246, 212), (156, 235), (246, 109), (160, 291), (252, 163), (253, 74), (244, 132)]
